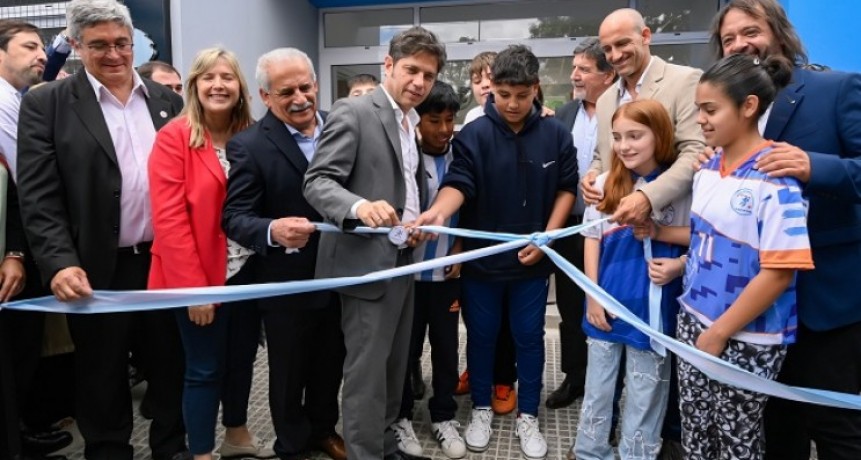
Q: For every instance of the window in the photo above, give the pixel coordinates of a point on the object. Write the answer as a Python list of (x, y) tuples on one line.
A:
[(518, 20), (356, 39), (690, 54), (342, 73), (555, 76), (668, 16), (365, 27)]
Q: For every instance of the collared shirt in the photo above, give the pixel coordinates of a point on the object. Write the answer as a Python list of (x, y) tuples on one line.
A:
[(763, 119), (585, 136), (625, 96), (308, 145), (61, 44), (10, 105), (133, 133), (409, 156)]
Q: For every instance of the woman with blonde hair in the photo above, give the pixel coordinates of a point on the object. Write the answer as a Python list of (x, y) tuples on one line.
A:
[(188, 185)]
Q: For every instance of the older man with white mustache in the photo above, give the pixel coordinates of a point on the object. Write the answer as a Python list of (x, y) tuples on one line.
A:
[(266, 212)]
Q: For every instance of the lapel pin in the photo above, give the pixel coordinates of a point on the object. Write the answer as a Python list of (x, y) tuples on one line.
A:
[(163, 114)]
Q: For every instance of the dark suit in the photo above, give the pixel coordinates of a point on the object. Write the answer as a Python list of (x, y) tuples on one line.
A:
[(359, 156), (820, 113), (70, 186), (20, 337), (570, 299), (265, 183)]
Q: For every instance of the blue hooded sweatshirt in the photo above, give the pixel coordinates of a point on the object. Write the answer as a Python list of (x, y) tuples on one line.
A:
[(510, 181)]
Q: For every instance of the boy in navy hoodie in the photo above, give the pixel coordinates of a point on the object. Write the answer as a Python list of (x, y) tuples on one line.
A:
[(516, 172)]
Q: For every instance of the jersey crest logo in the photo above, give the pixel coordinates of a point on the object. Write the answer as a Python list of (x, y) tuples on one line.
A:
[(668, 214), (742, 202)]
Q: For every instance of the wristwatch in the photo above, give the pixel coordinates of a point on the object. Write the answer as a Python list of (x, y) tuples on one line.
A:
[(14, 255)]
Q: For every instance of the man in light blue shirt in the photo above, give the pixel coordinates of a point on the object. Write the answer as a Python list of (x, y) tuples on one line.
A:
[(266, 212), (591, 76)]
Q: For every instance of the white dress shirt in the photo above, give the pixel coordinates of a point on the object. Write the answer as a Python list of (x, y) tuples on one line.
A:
[(625, 96), (133, 134), (409, 157), (10, 105)]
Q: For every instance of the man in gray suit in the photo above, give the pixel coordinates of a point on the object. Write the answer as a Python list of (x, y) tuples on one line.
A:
[(365, 173)]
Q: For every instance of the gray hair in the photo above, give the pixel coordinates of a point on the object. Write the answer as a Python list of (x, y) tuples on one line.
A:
[(591, 47), (81, 14), (278, 55)]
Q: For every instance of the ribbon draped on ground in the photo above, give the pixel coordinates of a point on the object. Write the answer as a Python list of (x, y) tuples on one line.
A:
[(715, 368)]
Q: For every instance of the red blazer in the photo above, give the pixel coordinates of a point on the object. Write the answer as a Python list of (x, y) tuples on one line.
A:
[(187, 191)]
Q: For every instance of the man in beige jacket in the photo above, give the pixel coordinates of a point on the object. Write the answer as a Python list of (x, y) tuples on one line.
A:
[(625, 40)]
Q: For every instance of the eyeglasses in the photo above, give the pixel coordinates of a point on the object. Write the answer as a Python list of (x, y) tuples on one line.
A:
[(103, 48)]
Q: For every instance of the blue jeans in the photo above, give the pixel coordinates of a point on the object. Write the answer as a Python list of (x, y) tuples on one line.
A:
[(526, 301), (205, 348), (219, 366), (647, 384)]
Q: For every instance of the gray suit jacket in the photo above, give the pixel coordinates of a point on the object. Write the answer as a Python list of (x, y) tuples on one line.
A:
[(358, 156), (674, 86)]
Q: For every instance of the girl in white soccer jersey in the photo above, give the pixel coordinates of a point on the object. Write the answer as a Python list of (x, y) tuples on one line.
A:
[(748, 238)]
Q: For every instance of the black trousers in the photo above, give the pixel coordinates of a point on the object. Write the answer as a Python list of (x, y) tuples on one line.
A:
[(243, 337), (436, 311), (570, 300), (306, 359), (103, 399), (10, 438), (829, 360), (20, 352)]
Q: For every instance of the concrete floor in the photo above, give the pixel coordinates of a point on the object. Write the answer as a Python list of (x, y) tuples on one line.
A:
[(559, 426)]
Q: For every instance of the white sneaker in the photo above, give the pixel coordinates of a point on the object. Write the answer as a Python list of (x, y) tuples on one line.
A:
[(532, 442), (408, 442), (478, 430), (449, 439), (259, 448)]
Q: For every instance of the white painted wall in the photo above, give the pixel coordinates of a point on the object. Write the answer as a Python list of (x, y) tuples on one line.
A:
[(249, 28)]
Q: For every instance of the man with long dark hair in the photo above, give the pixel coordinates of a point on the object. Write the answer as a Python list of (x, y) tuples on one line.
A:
[(816, 121)]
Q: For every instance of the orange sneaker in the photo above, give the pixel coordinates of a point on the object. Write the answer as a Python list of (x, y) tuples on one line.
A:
[(462, 387), (504, 399)]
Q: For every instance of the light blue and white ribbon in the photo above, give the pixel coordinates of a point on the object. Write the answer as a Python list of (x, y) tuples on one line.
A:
[(656, 294), (122, 301)]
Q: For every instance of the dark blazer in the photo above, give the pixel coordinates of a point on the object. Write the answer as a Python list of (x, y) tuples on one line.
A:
[(820, 112), (358, 156), (69, 180), (15, 238), (567, 114), (265, 183)]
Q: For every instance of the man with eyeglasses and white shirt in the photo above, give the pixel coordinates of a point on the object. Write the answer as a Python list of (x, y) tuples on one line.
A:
[(83, 147)]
